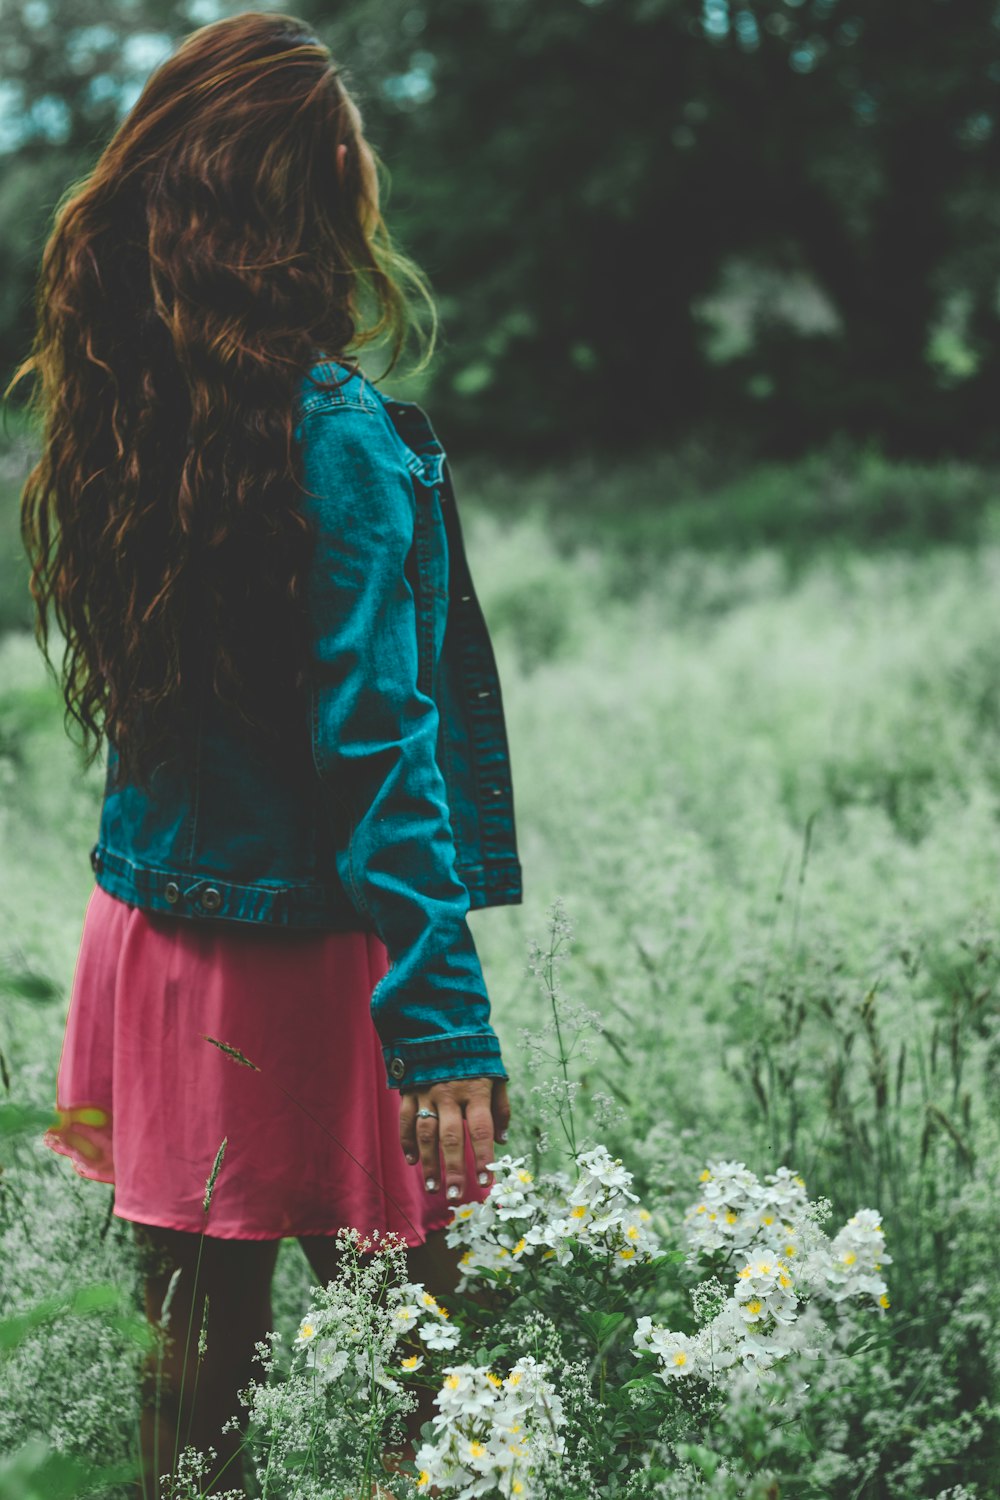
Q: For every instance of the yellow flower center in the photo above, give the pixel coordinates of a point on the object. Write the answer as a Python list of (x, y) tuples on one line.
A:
[(411, 1362), (848, 1257), (706, 1176), (632, 1232), (307, 1330), (680, 1358), (746, 1271), (477, 1450), (754, 1307), (730, 1217), (627, 1253), (494, 1380), (520, 1245), (424, 1480), (767, 1219), (525, 1177), (645, 1214), (883, 1301), (451, 1381), (579, 1212)]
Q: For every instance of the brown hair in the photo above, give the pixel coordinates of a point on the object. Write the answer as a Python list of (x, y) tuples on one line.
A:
[(210, 257)]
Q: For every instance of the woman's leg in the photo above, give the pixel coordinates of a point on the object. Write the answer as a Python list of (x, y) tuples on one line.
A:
[(236, 1277)]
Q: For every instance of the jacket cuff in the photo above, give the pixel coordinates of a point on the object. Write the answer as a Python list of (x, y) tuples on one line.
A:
[(469, 1054)]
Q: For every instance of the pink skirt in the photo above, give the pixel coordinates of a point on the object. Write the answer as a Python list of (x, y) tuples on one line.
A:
[(145, 1096)]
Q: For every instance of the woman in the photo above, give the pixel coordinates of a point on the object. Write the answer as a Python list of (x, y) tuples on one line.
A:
[(254, 559)]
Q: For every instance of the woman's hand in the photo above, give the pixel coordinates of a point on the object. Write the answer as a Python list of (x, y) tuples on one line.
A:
[(484, 1105)]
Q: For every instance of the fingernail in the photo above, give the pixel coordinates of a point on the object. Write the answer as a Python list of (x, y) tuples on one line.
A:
[(453, 1191), (431, 1184), (502, 1136), (411, 1159), (483, 1179)]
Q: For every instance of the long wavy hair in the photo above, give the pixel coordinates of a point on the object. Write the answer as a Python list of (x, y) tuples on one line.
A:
[(190, 279)]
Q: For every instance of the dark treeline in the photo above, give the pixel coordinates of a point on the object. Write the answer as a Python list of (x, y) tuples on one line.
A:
[(641, 217)]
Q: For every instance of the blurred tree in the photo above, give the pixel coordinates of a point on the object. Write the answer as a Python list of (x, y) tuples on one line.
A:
[(637, 214), (862, 145), (580, 176)]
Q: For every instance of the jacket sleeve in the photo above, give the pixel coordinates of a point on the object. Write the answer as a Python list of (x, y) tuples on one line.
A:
[(374, 736)]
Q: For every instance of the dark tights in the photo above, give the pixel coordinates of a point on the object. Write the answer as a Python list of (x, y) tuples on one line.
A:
[(236, 1276)]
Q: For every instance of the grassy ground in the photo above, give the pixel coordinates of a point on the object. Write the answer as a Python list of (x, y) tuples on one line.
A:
[(755, 728)]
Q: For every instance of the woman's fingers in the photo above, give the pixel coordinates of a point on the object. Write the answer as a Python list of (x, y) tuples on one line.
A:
[(407, 1126), (451, 1136), (427, 1138), (500, 1105), (432, 1123)]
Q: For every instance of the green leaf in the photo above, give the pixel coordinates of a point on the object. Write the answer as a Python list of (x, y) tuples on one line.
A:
[(601, 1325), (84, 1299), (702, 1458), (38, 1472), (136, 1329), (25, 1119), (28, 984)]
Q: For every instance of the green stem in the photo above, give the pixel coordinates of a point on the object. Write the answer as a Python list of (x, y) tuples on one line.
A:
[(550, 985), (197, 1372), (187, 1345), (156, 1419)]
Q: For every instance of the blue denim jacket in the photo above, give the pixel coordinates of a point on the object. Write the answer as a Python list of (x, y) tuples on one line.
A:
[(389, 807)]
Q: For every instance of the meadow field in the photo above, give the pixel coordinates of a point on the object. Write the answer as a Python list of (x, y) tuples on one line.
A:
[(755, 732)]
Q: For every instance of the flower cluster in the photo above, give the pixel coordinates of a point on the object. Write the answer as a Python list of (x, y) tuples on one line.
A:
[(493, 1434), (554, 1219), (736, 1211), (763, 1229), (358, 1321), (855, 1257), (415, 1309)]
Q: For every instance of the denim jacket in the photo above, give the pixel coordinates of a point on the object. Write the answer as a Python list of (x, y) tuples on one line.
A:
[(389, 808)]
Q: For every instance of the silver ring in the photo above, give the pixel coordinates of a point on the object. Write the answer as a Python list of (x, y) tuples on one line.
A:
[(426, 1114)]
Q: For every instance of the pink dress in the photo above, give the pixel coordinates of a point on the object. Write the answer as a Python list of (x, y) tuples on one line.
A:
[(311, 1129)]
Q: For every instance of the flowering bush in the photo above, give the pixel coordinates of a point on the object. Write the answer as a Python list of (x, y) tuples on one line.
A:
[(534, 1367)]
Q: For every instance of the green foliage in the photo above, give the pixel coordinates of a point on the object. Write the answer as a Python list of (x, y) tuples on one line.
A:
[(764, 779), (776, 219)]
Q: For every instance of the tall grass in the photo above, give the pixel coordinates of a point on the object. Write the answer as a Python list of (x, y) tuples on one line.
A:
[(761, 769)]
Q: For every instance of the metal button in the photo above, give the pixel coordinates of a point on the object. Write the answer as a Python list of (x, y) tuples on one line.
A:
[(397, 1067), (172, 891), (211, 899)]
